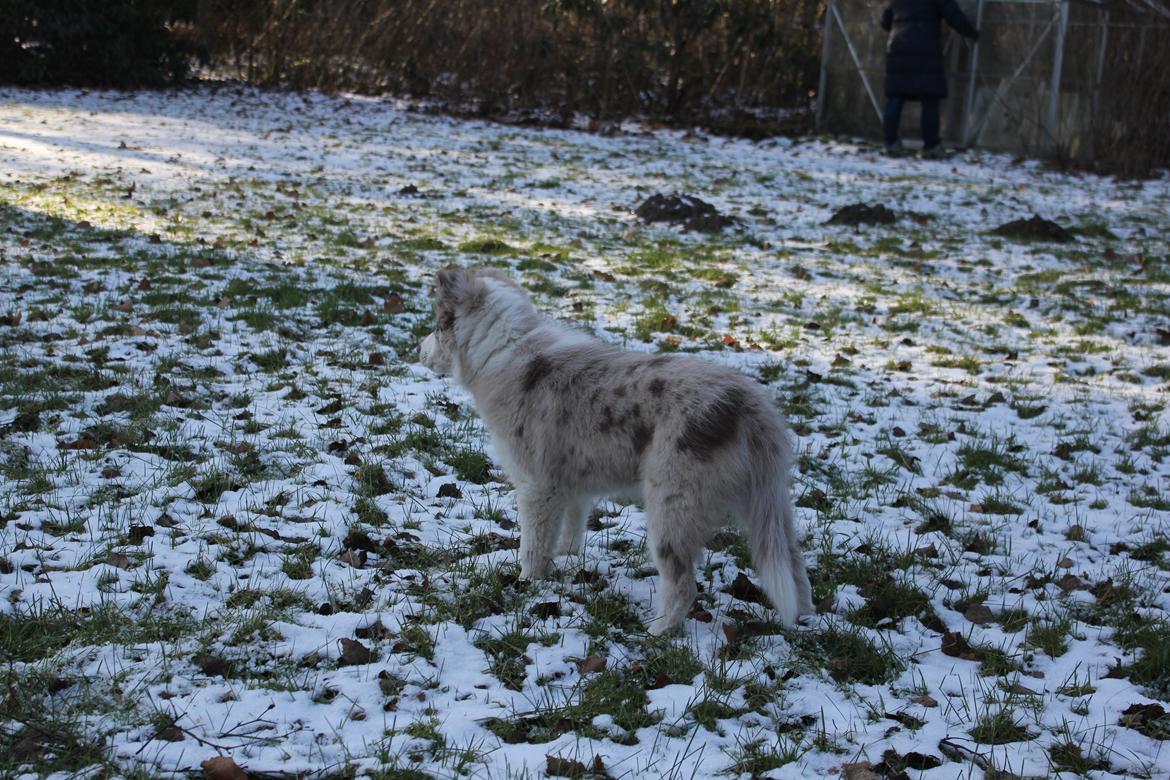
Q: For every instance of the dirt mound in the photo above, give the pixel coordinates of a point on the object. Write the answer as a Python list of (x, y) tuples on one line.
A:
[(1035, 229), (685, 210), (863, 214)]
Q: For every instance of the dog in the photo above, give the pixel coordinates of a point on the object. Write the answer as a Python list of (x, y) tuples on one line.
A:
[(574, 419)]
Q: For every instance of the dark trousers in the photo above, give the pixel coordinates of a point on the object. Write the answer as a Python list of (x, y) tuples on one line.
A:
[(930, 120)]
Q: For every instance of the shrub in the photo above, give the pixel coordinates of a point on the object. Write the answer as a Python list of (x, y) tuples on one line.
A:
[(607, 58), (91, 42)]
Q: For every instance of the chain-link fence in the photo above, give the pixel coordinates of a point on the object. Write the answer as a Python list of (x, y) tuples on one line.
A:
[(1033, 84)]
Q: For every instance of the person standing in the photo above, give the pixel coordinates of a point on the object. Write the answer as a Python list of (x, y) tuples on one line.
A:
[(914, 65)]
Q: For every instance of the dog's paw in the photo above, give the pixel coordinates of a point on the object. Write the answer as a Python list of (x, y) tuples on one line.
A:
[(533, 571), (660, 627)]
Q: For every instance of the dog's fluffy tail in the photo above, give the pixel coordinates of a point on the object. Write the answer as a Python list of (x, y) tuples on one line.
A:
[(771, 532)]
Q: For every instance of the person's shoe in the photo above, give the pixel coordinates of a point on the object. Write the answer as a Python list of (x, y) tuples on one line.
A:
[(894, 150), (936, 152)]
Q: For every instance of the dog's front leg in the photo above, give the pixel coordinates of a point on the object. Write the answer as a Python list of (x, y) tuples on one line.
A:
[(572, 534), (540, 524)]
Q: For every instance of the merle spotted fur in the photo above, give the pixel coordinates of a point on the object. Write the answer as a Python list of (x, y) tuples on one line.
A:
[(574, 419)]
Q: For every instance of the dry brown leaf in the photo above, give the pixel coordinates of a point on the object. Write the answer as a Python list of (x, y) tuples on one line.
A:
[(222, 768), (956, 646), (592, 663), (393, 304), (354, 653), (979, 614)]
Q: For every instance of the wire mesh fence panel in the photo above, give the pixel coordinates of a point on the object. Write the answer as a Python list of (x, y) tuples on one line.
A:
[(854, 73), (1011, 91), (1066, 78), (855, 58)]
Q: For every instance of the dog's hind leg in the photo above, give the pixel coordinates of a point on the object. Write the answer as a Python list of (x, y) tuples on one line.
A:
[(572, 534), (674, 544), (541, 514)]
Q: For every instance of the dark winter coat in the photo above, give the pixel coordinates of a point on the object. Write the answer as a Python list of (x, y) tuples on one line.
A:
[(914, 58)]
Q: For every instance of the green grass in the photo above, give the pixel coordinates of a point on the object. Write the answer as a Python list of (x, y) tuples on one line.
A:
[(471, 465), (851, 654), (1051, 636), (215, 385), (1150, 668), (36, 634), (1000, 728), (888, 600), (756, 756), (506, 654), (988, 462), (615, 693)]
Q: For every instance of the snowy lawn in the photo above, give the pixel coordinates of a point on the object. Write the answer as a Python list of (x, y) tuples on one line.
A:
[(237, 519)]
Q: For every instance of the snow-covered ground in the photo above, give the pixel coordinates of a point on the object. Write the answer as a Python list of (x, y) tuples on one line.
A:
[(237, 519)]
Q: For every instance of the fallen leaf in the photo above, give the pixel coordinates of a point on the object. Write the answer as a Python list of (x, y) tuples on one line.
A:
[(954, 645), (222, 768), (355, 558), (138, 533), (700, 614), (592, 663), (333, 407), (921, 761), (450, 490), (1148, 719), (563, 767), (979, 614), (354, 653), (1020, 690), (859, 771), (374, 630), (393, 304), (906, 719), (744, 589), (211, 665), (119, 560), (170, 734)]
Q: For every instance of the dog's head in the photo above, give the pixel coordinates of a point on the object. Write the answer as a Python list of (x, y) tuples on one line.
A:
[(467, 299), (438, 349)]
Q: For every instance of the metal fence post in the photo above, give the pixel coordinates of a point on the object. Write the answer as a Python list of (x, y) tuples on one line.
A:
[(1054, 88), (824, 81), (856, 61), (1098, 77), (969, 108)]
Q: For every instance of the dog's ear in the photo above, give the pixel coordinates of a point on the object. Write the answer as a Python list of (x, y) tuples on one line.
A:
[(451, 284)]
